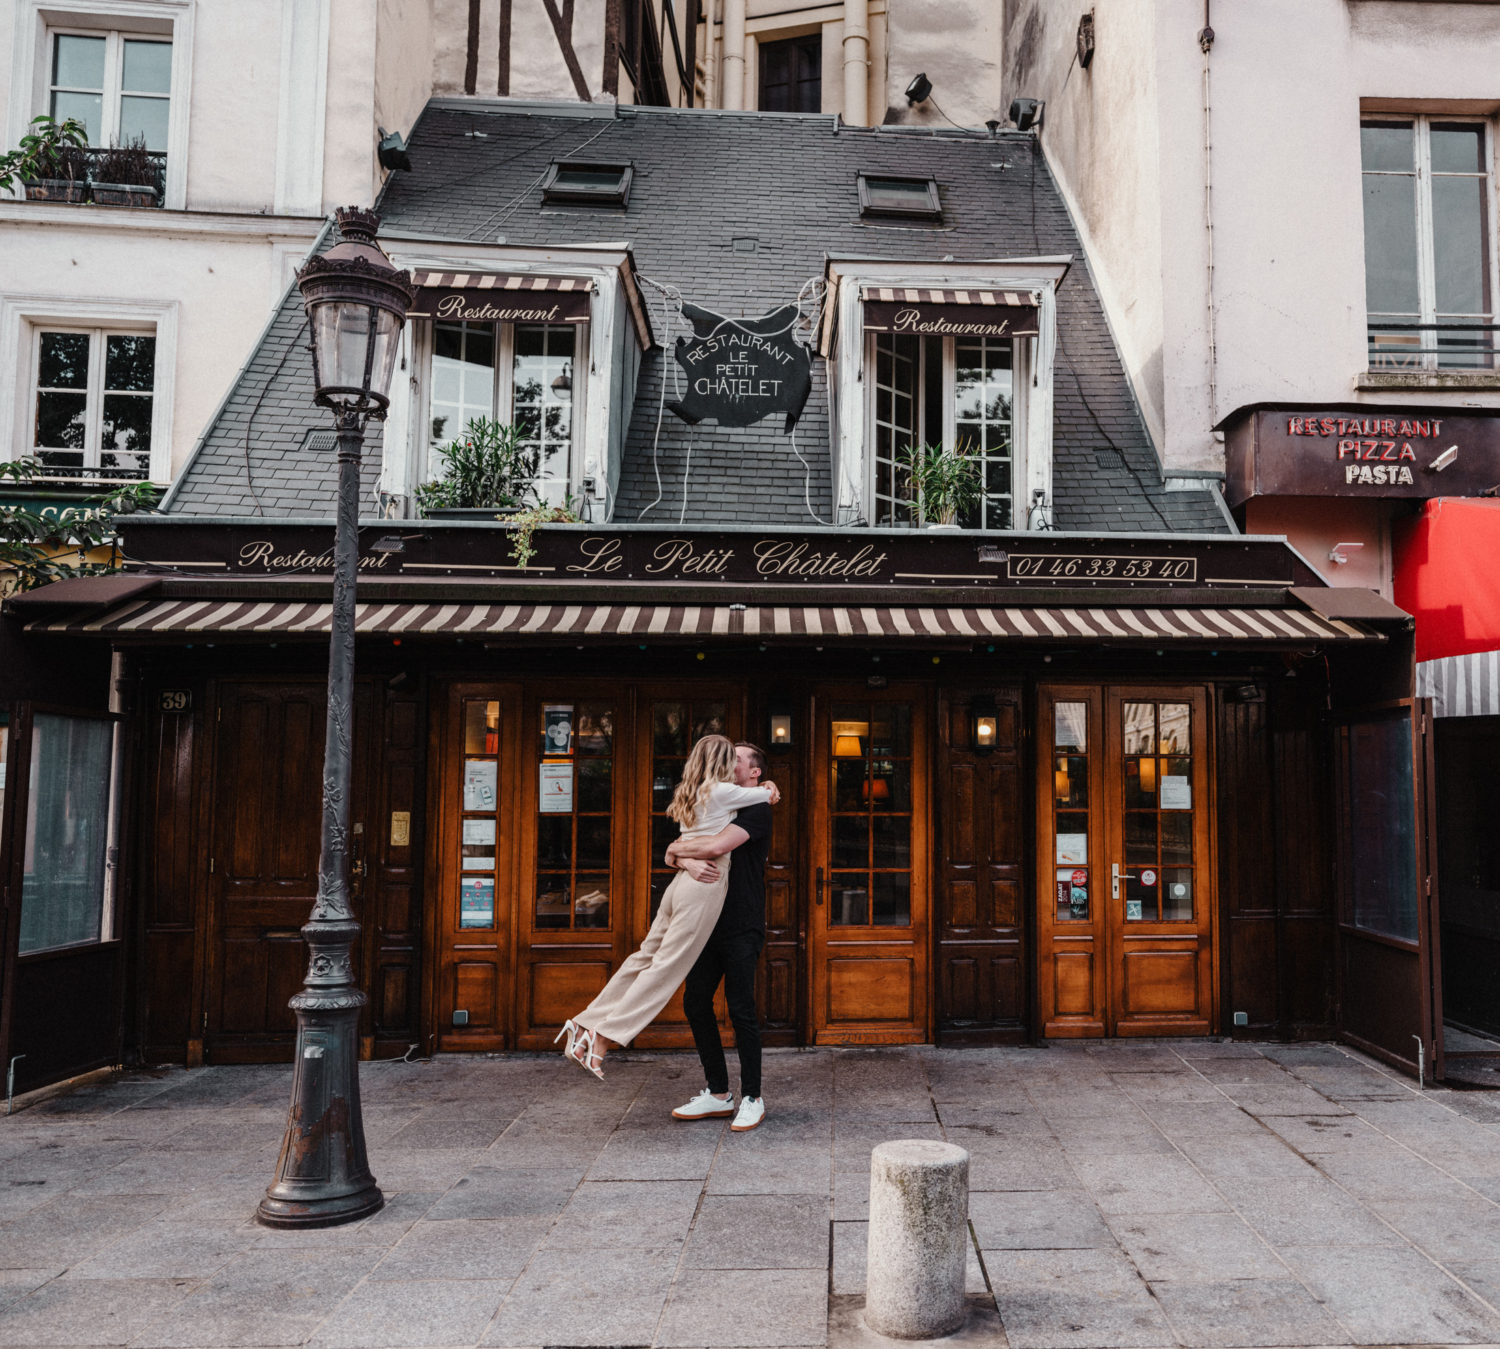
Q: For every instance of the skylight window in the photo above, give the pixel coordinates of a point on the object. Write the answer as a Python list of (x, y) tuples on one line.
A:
[(910, 198), (576, 183)]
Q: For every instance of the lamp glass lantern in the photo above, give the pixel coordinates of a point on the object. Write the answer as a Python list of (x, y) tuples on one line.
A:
[(356, 302), (984, 723), (780, 713)]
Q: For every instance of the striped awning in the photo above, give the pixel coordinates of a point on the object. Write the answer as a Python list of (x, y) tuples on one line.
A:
[(923, 312), (1461, 686), (267, 618), (1013, 299), (503, 297)]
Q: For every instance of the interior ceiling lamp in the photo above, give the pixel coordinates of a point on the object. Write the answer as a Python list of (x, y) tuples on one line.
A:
[(392, 151), (1026, 113), (918, 90), (984, 723), (1086, 40)]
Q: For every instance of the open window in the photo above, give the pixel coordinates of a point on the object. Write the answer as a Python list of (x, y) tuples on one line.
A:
[(933, 355)]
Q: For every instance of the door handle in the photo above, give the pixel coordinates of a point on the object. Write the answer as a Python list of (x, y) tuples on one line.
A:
[(818, 886), (1115, 881)]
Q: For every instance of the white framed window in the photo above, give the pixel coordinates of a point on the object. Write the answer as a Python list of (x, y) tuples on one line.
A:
[(955, 392), (119, 85), (122, 67), (93, 401), (523, 373), (1429, 242)]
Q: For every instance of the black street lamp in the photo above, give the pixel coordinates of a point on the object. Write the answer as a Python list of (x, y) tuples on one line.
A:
[(356, 303)]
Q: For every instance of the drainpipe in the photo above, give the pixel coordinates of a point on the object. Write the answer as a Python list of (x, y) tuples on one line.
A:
[(734, 54), (711, 54), (857, 62), (1205, 43)]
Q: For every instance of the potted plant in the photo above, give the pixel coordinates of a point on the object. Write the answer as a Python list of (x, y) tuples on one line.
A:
[(123, 174), (943, 483), (51, 161), (486, 471)]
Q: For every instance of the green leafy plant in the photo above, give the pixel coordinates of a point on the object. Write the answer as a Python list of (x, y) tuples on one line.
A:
[(943, 483), (37, 548), (42, 151), (526, 522), (129, 165), (488, 467)]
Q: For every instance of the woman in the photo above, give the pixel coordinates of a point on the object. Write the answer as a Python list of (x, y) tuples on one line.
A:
[(704, 803)]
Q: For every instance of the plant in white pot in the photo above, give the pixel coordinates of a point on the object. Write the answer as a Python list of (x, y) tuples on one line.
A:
[(488, 469), (942, 483)]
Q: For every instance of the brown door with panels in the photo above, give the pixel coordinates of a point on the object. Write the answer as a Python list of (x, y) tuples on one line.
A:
[(1160, 855), (475, 831), (1125, 935), (868, 928), (263, 858), (671, 720)]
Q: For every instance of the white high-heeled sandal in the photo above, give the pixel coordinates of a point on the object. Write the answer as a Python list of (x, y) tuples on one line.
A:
[(584, 1039), (570, 1029)]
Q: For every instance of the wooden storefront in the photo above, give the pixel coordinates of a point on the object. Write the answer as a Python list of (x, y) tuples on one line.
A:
[(1006, 834)]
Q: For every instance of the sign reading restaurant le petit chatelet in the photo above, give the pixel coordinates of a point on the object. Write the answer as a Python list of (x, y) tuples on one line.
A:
[(579, 555), (1368, 451), (740, 370)]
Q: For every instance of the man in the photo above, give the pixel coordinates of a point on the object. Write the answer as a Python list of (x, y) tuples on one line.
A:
[(732, 952)]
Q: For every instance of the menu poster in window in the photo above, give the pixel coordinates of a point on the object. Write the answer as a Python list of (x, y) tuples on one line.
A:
[(479, 784), (1073, 848), (1176, 792), (479, 845), (476, 901), (557, 789), (557, 728), (1071, 726)]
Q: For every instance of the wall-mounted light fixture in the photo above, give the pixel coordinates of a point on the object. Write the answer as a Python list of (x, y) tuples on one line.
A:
[(1340, 552), (919, 90), (984, 723), (1443, 460), (1026, 113), (781, 726)]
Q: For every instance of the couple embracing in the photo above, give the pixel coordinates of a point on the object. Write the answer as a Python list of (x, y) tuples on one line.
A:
[(709, 929)]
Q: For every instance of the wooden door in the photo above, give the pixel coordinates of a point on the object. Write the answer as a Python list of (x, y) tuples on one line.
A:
[(669, 720), (263, 859), (1159, 850), (1125, 900), (868, 929), (1073, 896), (472, 891), (570, 802), (981, 983), (1390, 991)]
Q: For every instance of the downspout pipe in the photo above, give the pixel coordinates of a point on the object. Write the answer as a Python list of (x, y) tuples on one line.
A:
[(710, 54), (1205, 44), (734, 54), (857, 62)]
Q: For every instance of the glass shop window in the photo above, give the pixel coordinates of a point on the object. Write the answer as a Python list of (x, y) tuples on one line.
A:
[(871, 818), (68, 873), (574, 822), (94, 402), (1070, 796), (675, 728), (953, 392), (1157, 770), (1429, 236), (512, 373)]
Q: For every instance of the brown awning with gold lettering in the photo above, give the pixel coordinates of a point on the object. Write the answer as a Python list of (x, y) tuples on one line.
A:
[(926, 312), (501, 297)]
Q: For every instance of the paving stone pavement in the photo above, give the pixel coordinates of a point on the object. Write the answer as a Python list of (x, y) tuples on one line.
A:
[(1147, 1194)]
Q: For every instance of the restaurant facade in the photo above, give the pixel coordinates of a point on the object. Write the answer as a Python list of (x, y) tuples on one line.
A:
[(1084, 762)]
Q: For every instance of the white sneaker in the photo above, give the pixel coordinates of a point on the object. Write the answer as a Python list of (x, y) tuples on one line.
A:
[(705, 1105), (752, 1111)]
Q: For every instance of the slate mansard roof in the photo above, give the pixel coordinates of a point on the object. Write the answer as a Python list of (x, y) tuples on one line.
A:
[(737, 211)]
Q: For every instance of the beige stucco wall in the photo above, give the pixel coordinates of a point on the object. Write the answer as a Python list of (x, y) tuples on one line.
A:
[(957, 45)]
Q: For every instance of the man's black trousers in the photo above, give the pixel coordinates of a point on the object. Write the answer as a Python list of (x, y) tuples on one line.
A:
[(732, 959)]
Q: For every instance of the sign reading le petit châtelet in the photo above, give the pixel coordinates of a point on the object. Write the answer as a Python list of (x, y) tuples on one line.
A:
[(740, 370)]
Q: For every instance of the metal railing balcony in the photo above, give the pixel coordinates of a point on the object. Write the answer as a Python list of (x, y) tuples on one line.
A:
[(1444, 345)]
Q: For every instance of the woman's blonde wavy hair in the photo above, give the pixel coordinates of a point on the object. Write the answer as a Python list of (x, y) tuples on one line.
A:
[(710, 762)]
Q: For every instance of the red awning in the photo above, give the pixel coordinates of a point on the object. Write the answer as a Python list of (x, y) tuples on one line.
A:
[(1446, 576), (501, 297)]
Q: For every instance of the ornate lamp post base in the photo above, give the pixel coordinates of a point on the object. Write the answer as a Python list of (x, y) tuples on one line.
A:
[(322, 1176)]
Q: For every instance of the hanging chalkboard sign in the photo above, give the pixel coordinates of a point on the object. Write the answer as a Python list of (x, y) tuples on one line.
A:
[(740, 370)]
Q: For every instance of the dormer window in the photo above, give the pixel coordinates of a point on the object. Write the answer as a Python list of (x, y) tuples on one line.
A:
[(902, 198), (576, 184)]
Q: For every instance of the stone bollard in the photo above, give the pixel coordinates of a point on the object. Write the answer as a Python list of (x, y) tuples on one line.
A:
[(919, 1235)]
